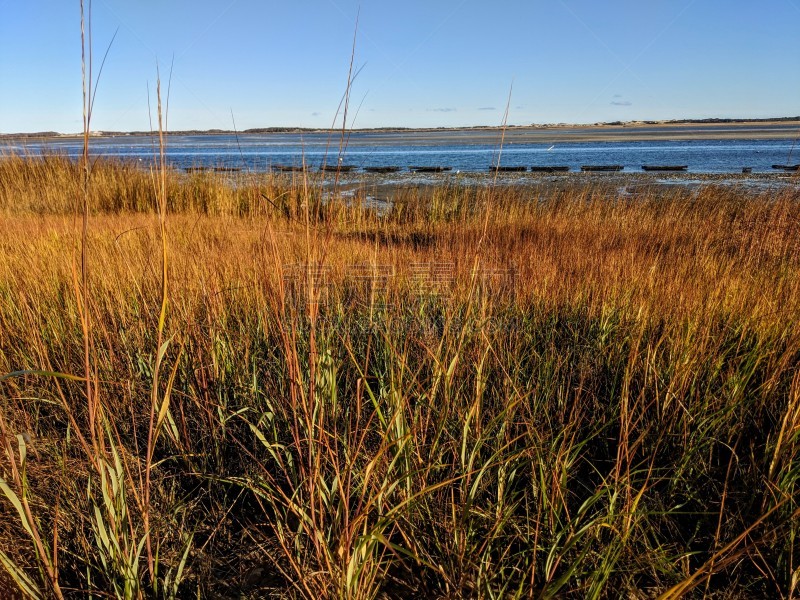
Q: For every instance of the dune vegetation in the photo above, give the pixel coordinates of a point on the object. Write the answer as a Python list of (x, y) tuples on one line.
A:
[(253, 386)]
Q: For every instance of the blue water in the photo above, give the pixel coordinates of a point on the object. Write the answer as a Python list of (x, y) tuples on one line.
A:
[(260, 152)]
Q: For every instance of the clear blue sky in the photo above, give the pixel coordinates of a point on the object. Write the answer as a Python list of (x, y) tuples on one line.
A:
[(423, 63)]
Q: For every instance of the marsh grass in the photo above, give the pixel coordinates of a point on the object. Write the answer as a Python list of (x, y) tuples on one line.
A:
[(570, 395)]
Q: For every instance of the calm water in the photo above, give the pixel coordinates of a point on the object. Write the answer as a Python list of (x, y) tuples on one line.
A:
[(462, 153)]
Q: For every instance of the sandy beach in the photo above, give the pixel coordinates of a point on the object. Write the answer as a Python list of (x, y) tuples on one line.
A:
[(528, 134), (631, 132)]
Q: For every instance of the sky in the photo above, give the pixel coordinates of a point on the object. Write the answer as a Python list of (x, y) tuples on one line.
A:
[(419, 63)]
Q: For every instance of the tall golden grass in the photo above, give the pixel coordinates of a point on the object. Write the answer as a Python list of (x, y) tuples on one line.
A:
[(483, 392)]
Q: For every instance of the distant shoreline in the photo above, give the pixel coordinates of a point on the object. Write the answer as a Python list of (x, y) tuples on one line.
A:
[(684, 129)]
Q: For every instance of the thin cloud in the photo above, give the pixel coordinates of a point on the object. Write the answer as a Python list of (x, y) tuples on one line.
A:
[(315, 114), (442, 109), (487, 108), (621, 103)]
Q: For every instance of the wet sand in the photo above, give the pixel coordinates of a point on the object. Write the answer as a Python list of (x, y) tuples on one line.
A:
[(380, 191), (778, 179)]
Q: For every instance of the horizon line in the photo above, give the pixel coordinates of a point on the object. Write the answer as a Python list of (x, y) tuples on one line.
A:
[(389, 128)]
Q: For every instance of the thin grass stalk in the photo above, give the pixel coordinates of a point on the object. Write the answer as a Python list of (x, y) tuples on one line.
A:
[(343, 139), (86, 74), (157, 413)]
